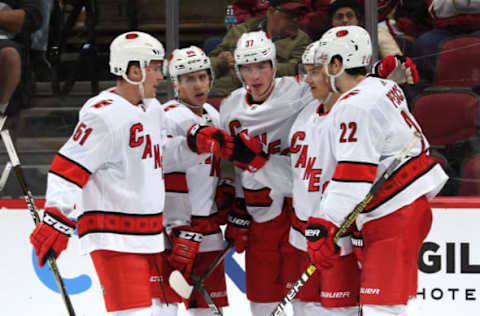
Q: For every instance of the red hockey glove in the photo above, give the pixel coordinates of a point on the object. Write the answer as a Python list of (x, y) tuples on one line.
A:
[(206, 139), (50, 237), (248, 153), (224, 199), (238, 222), (320, 246), (398, 68), (185, 246)]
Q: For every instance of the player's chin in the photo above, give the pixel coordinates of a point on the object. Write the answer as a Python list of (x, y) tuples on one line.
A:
[(201, 98)]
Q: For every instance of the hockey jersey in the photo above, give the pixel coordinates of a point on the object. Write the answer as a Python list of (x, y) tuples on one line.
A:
[(111, 170), (270, 122), (368, 126), (190, 193), (306, 172)]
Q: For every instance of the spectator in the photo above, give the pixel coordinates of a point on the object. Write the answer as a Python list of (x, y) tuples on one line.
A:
[(246, 9), (406, 22), (17, 20), (41, 66), (349, 12), (449, 19), (281, 22), (316, 21)]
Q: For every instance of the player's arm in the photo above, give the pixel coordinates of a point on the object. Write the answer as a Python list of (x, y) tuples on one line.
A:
[(357, 144), (88, 148), (398, 68)]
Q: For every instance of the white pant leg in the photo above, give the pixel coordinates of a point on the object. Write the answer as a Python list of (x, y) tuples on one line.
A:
[(163, 309), (316, 309), (201, 311), (263, 309)]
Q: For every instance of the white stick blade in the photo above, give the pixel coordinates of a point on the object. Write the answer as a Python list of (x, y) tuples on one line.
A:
[(179, 284)]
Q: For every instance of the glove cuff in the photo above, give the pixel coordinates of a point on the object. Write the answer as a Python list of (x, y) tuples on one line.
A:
[(54, 218), (318, 228), (239, 216), (187, 233), (226, 181), (191, 135)]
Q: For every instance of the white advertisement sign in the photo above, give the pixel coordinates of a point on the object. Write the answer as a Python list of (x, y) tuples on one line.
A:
[(449, 278), (449, 264)]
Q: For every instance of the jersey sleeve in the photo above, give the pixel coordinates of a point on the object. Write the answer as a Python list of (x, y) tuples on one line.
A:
[(88, 149), (357, 141), (178, 157)]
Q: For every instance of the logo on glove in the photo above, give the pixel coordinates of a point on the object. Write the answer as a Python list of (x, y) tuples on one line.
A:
[(314, 233)]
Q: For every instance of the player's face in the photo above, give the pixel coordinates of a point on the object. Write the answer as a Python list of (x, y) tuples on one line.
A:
[(258, 77), (153, 76), (193, 87), (345, 16), (317, 80)]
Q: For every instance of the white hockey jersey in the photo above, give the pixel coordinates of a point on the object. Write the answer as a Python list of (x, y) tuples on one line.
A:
[(190, 193), (306, 173), (368, 126), (111, 170), (269, 121)]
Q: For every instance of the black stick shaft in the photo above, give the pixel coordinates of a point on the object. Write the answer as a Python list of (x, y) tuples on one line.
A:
[(12, 154)]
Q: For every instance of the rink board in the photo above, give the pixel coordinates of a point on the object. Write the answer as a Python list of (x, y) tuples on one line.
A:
[(449, 278)]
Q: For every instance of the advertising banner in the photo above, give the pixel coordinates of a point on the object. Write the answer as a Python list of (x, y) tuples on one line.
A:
[(449, 271)]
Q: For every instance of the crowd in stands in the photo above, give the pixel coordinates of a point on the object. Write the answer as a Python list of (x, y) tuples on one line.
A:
[(420, 30)]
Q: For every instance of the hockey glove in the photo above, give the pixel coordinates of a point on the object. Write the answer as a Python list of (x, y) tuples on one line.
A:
[(238, 223), (206, 139), (248, 153), (398, 68), (224, 199), (320, 246), (185, 246), (50, 237)]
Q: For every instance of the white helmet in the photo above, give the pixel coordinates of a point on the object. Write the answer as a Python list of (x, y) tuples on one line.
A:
[(186, 60), (134, 46), (352, 43), (255, 47), (309, 55)]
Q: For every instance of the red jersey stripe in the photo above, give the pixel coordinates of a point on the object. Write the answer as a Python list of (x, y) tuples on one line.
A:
[(402, 178), (119, 223), (70, 170), (259, 197), (348, 171), (176, 182)]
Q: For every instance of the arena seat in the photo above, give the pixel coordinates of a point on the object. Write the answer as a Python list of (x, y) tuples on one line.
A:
[(458, 64), (447, 115), (470, 177)]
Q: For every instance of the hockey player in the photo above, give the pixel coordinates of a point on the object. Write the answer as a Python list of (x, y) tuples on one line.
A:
[(334, 291), (367, 128), (111, 171), (265, 108), (190, 194)]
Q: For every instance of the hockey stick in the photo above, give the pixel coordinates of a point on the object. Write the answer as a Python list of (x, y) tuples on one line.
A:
[(348, 222), (184, 289), (12, 154)]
